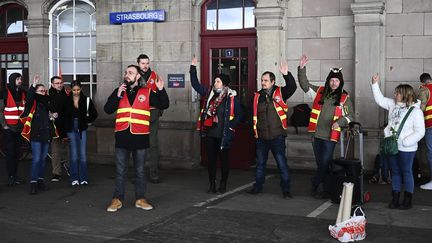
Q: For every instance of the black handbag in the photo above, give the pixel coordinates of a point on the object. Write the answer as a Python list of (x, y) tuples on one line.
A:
[(389, 145)]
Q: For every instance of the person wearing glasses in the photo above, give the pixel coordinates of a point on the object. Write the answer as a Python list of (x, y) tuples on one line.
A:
[(58, 96), (39, 130)]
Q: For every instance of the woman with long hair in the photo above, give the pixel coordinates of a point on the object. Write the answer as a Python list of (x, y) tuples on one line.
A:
[(403, 106), (332, 109), (79, 112)]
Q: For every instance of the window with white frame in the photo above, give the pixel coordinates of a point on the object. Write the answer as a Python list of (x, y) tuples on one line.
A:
[(73, 43)]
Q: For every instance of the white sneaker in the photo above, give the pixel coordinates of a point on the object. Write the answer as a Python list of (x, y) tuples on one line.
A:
[(75, 183), (427, 186), (84, 183)]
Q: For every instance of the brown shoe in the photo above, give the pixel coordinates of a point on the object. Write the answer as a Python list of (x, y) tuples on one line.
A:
[(115, 205), (142, 203)]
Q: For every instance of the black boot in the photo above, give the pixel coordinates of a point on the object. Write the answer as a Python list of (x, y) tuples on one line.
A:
[(222, 187), (395, 200), (41, 185), (212, 188), (33, 188), (406, 204)]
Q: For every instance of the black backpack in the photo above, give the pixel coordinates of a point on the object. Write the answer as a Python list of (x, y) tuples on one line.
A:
[(300, 116)]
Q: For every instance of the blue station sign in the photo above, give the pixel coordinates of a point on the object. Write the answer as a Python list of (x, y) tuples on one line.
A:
[(139, 16)]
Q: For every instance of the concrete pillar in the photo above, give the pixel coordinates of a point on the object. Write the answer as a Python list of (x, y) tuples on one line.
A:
[(369, 58), (37, 34), (271, 37)]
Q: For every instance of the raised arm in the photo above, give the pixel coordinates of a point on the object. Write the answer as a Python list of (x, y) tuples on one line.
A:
[(382, 101), (290, 84), (194, 79), (302, 78)]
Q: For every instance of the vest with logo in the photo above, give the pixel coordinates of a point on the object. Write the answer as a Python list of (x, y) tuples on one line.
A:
[(428, 109), (136, 117), (12, 111), (316, 110)]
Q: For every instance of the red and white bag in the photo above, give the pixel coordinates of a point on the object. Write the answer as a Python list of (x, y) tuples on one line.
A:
[(353, 229)]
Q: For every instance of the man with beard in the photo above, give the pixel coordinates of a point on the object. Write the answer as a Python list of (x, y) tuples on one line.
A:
[(149, 78), (132, 104), (12, 105)]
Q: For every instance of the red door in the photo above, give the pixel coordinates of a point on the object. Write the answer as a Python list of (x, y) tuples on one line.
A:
[(236, 57)]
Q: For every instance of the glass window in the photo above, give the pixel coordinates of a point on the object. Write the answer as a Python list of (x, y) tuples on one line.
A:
[(12, 18), (230, 14), (73, 43)]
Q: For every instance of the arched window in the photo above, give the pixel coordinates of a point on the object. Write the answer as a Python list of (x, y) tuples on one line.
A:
[(73, 43), (230, 14), (12, 18)]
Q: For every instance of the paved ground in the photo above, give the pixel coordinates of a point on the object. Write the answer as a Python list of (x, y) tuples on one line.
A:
[(185, 213)]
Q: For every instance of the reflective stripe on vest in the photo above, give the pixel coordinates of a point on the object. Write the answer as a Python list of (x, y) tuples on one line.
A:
[(279, 104), (316, 110), (137, 116), (202, 110), (11, 111), (428, 109)]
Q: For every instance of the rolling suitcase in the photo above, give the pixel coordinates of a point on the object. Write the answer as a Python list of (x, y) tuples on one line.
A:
[(344, 169)]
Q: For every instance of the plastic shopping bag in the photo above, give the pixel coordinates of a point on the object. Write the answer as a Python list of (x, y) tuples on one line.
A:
[(353, 229)]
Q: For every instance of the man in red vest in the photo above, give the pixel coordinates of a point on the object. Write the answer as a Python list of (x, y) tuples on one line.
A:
[(131, 102), (270, 124), (149, 78), (426, 106), (11, 106)]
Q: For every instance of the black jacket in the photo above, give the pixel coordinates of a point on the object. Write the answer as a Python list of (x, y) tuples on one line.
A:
[(83, 119), (125, 139), (57, 104)]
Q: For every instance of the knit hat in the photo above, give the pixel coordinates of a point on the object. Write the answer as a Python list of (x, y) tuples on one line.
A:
[(335, 73), (224, 78)]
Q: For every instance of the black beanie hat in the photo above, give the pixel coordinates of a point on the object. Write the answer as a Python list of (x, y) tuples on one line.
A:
[(224, 78), (335, 73)]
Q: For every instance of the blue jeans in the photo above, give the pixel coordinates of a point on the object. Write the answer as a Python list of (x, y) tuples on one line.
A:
[(323, 150), (77, 150), (39, 154), (428, 139), (277, 147), (401, 166), (122, 168)]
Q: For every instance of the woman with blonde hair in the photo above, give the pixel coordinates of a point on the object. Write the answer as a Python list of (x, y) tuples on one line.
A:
[(405, 121)]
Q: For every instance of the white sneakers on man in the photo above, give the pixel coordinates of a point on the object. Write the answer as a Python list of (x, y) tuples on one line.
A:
[(427, 186)]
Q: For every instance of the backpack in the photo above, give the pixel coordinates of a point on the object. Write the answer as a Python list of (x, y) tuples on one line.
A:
[(300, 116)]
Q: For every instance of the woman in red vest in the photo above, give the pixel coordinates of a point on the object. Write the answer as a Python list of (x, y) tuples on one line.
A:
[(39, 129), (219, 116), (332, 109)]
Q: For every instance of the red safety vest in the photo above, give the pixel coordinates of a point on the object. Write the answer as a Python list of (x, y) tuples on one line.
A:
[(27, 121), (11, 111), (278, 103), (137, 116), (199, 123), (316, 110), (428, 109)]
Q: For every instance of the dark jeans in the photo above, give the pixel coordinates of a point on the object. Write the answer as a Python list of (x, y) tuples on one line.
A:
[(213, 147), (13, 142), (277, 147), (323, 150), (154, 148), (138, 157), (401, 166), (77, 151), (39, 154)]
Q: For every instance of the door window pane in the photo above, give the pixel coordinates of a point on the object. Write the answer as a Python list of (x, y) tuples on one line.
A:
[(211, 15)]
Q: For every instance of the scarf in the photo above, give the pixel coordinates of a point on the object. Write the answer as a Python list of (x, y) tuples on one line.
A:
[(211, 115)]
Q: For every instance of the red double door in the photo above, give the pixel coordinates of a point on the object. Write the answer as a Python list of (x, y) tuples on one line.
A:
[(236, 57)]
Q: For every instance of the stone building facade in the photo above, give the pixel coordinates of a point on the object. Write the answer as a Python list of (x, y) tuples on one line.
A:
[(389, 37)]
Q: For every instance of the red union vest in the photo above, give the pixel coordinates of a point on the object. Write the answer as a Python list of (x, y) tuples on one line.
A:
[(199, 123), (278, 103), (428, 109), (137, 116), (11, 111), (27, 121), (316, 110)]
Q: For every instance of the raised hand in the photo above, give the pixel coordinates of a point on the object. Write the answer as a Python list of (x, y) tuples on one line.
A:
[(303, 61), (283, 67), (194, 61), (375, 78), (36, 79), (160, 83)]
